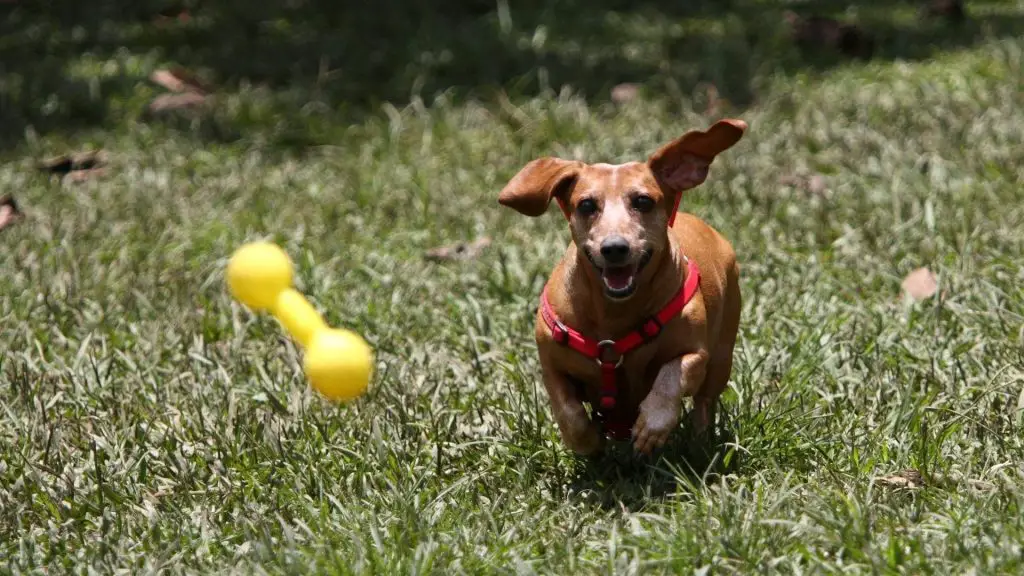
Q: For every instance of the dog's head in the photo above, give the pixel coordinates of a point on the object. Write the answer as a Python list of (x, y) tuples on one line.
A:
[(619, 214)]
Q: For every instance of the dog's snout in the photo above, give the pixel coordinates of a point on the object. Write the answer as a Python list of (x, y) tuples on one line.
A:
[(615, 249)]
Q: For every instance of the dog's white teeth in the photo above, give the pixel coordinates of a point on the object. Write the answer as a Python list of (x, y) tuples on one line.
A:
[(618, 281)]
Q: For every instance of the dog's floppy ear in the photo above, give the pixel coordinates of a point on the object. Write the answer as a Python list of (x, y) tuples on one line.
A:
[(531, 190), (683, 163)]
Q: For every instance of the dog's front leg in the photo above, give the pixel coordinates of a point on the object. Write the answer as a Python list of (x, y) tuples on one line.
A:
[(661, 409), (579, 433)]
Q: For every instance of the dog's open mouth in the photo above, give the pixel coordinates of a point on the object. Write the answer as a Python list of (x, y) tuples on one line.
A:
[(619, 281)]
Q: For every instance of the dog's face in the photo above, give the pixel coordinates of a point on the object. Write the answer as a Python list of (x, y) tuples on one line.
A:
[(619, 214)]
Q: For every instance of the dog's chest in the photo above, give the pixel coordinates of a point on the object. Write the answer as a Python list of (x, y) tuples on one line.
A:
[(635, 375)]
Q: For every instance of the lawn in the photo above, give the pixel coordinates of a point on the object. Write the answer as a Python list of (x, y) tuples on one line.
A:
[(150, 423)]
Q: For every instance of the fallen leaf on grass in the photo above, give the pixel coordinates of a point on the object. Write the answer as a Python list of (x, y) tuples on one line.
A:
[(166, 79), (815, 184), (714, 102), (920, 284), (83, 175), (623, 93), (459, 251), (178, 79), (908, 478), (187, 91), (8, 211), (73, 162), (170, 15), (180, 101), (76, 167)]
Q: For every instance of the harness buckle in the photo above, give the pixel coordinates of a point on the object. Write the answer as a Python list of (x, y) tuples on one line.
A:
[(559, 332), (602, 347)]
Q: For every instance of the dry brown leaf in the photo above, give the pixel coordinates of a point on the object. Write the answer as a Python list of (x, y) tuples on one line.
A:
[(714, 101), (166, 79), (83, 175), (814, 184), (180, 101), (920, 284), (459, 251), (625, 93), (178, 79), (9, 212), (170, 15), (908, 478), (72, 162)]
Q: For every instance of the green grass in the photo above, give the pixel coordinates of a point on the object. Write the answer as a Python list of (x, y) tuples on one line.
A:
[(149, 423)]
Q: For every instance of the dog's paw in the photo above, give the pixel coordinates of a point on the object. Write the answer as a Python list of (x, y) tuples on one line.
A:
[(654, 425), (583, 437)]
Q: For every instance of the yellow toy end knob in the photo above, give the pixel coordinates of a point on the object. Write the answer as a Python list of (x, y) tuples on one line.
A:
[(339, 364), (257, 273)]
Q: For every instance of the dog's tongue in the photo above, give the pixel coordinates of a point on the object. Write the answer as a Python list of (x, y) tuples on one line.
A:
[(618, 278)]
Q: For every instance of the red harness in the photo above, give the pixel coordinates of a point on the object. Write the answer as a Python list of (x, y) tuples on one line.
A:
[(610, 353)]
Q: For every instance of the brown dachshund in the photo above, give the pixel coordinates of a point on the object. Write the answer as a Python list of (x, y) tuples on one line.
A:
[(644, 307)]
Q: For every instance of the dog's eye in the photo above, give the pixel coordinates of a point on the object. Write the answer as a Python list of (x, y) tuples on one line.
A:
[(586, 207), (643, 203)]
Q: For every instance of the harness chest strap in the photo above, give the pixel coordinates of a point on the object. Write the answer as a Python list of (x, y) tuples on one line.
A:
[(610, 353)]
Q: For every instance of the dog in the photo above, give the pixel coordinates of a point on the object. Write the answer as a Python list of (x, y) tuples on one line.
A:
[(643, 309)]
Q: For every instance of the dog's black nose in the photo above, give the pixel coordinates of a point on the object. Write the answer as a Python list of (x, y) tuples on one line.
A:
[(615, 250)]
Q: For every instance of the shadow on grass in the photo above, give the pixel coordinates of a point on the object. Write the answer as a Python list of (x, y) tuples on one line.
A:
[(622, 479), (349, 57)]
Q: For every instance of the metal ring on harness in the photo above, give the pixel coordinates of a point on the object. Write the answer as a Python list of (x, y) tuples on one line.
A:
[(607, 345)]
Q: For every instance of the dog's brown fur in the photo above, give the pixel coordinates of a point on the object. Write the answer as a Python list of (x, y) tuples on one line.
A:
[(693, 354)]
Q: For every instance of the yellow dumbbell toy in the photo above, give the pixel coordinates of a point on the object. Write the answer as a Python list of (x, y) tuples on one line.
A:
[(337, 362)]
